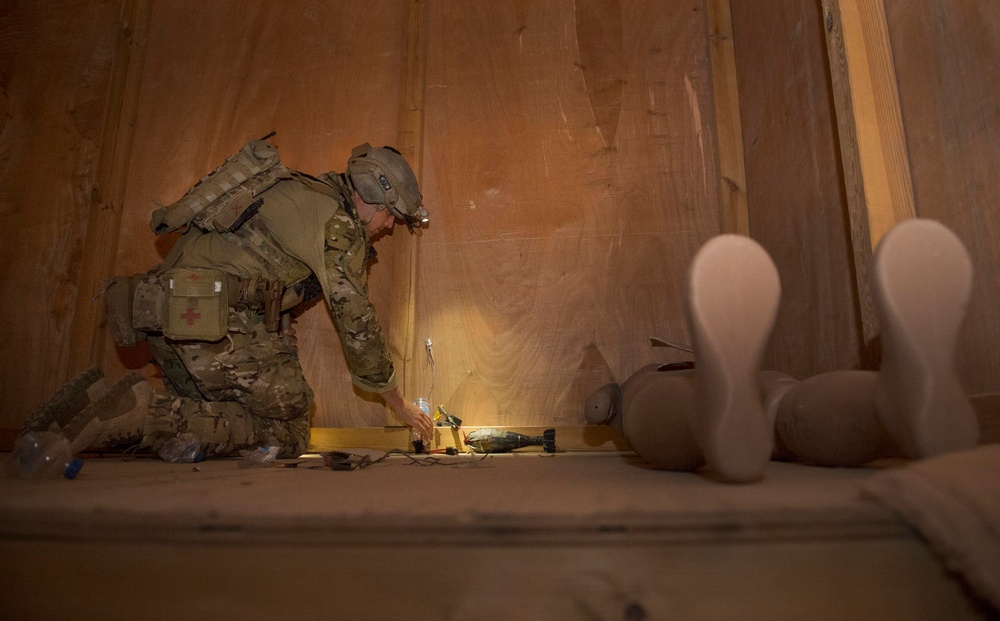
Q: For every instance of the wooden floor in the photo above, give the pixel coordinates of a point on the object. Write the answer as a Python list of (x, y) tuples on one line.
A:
[(528, 536)]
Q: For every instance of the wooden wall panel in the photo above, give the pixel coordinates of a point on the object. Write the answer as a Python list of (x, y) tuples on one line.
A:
[(569, 167), (796, 199), (55, 64), (946, 55), (325, 76)]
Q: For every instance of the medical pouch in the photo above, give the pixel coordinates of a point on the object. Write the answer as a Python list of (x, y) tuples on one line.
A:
[(197, 305)]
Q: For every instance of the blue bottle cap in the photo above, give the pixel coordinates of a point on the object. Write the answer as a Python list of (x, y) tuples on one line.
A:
[(73, 468)]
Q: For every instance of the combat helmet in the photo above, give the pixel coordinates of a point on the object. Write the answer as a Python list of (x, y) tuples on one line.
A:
[(383, 178)]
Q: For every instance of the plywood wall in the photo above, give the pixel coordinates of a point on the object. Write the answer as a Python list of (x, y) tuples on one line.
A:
[(570, 167), (947, 57), (795, 190), (55, 66)]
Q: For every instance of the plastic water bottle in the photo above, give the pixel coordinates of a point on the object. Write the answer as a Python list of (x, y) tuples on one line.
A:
[(182, 449), (419, 443), (43, 455)]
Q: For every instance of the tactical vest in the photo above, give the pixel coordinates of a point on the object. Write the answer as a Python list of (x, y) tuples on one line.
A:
[(174, 301)]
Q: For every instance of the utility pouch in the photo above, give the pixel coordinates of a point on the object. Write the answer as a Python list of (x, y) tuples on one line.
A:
[(118, 299), (148, 301), (197, 305)]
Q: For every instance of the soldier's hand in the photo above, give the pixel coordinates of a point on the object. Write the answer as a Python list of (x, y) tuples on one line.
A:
[(289, 335), (410, 414)]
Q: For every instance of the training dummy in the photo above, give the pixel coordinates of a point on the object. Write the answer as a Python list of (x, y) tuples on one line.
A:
[(729, 416)]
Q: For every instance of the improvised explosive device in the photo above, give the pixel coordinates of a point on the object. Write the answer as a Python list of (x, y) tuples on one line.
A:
[(488, 440)]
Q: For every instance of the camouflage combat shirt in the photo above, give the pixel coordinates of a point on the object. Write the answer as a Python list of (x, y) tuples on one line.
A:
[(306, 225)]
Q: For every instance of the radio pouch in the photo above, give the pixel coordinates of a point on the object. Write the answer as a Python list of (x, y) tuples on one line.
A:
[(197, 305), (119, 297)]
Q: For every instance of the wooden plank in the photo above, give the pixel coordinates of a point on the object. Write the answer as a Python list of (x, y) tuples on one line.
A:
[(886, 579), (556, 255), (555, 534), (87, 344), (857, 199), (580, 438), (795, 195), (885, 166), (405, 246), (873, 147), (945, 53), (728, 126)]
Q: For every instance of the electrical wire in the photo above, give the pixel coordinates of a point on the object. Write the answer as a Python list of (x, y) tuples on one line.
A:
[(428, 344)]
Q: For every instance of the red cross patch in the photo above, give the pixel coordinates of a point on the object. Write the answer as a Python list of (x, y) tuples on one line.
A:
[(191, 316)]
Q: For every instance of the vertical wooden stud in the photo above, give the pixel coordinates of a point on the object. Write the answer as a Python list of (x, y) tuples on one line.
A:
[(729, 131), (410, 143), (873, 147)]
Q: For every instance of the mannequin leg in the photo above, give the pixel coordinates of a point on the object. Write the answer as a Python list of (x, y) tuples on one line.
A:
[(713, 415), (654, 419), (830, 420), (732, 300), (921, 283), (914, 406)]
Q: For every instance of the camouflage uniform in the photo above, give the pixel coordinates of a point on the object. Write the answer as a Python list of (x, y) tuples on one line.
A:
[(248, 389)]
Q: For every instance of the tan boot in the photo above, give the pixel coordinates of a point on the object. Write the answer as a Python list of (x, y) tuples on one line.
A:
[(70, 400), (117, 418)]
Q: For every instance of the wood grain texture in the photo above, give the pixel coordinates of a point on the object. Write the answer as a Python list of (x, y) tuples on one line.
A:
[(55, 67), (850, 154), (564, 537), (410, 143), (104, 222), (796, 199), (324, 77), (946, 61), (602, 62), (550, 242), (885, 169)]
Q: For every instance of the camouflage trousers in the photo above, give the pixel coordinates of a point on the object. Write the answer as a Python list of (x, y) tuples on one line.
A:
[(242, 392)]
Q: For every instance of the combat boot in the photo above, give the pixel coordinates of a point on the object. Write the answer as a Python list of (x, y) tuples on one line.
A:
[(70, 400), (117, 418)]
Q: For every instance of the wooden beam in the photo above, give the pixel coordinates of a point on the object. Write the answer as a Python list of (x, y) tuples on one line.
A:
[(873, 146), (572, 438), (734, 214), (410, 132), (100, 247)]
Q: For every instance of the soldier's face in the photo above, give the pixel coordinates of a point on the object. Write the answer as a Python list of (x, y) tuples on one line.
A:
[(374, 220), (380, 223)]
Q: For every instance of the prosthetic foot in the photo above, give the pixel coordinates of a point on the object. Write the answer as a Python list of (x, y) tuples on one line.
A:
[(69, 401), (732, 300), (117, 418), (922, 282)]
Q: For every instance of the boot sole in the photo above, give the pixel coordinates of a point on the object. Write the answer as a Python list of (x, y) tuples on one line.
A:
[(67, 402)]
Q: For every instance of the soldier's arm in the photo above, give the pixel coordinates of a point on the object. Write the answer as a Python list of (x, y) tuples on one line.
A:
[(347, 295)]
